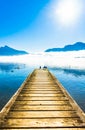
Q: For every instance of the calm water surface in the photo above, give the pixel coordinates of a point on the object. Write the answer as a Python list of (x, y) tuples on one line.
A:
[(13, 75), (73, 81)]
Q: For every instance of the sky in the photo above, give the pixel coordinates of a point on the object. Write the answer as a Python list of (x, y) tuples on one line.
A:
[(36, 25)]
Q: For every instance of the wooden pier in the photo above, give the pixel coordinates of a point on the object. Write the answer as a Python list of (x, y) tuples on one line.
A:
[(41, 103)]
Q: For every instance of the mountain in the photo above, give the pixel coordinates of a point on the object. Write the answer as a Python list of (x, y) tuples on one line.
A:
[(8, 51), (75, 47)]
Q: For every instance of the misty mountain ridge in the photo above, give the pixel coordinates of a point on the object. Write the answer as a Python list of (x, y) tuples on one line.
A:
[(75, 47), (8, 51)]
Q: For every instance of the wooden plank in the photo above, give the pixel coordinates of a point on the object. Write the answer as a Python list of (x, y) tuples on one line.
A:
[(45, 122), (26, 107), (40, 98), (41, 102), (38, 94), (45, 128), (41, 114)]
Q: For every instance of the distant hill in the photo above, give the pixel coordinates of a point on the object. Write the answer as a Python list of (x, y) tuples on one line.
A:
[(8, 51), (75, 47)]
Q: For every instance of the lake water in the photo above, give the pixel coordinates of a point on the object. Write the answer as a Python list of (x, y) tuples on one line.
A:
[(73, 81), (12, 76)]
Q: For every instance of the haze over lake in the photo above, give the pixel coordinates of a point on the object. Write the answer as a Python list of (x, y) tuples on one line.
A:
[(71, 59)]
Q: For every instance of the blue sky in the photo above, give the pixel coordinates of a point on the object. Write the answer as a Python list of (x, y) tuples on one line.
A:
[(35, 25)]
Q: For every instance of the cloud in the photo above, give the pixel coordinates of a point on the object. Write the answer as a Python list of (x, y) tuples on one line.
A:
[(75, 59)]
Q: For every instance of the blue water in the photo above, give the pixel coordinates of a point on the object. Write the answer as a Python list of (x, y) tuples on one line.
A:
[(13, 75), (73, 81)]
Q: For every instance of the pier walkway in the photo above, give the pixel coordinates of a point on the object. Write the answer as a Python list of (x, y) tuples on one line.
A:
[(41, 103)]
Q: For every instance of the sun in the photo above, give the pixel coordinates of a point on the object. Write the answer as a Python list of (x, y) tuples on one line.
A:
[(68, 12)]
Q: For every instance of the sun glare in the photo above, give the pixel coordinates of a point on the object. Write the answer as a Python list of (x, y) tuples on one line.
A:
[(68, 12)]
